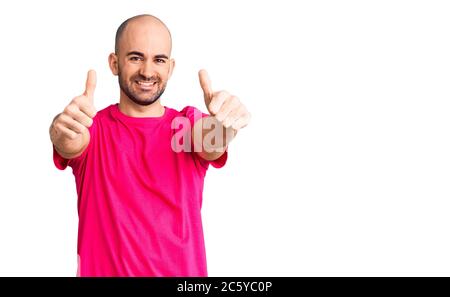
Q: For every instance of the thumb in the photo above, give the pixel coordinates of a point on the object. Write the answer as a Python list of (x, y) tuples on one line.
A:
[(205, 83), (91, 82)]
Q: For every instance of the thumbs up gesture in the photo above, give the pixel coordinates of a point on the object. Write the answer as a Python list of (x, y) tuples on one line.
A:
[(78, 116), (226, 108)]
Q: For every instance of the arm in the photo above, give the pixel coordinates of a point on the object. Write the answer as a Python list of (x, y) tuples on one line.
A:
[(213, 134), (69, 130)]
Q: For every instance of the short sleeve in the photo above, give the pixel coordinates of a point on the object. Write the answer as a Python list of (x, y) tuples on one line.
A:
[(220, 162), (61, 163), (194, 114)]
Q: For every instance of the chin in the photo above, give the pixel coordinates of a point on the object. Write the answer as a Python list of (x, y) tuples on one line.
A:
[(144, 102)]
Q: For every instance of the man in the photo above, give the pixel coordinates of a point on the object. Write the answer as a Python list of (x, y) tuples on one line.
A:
[(139, 167)]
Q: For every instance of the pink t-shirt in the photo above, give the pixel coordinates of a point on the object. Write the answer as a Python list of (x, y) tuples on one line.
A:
[(139, 200)]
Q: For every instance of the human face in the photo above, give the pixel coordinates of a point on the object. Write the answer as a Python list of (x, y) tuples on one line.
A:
[(139, 85), (143, 63)]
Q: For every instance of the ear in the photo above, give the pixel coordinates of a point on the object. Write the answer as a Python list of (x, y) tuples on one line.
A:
[(171, 67), (113, 63)]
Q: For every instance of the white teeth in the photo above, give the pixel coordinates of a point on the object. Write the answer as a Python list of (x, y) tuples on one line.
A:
[(146, 84)]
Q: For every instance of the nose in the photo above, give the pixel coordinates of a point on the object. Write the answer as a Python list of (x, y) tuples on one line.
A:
[(147, 69)]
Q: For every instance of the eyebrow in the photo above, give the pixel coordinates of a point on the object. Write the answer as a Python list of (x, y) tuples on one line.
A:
[(135, 53), (161, 56)]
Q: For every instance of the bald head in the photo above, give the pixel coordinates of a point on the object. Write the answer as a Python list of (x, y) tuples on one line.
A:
[(144, 23)]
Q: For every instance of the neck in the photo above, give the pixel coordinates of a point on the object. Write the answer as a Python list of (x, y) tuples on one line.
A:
[(131, 109)]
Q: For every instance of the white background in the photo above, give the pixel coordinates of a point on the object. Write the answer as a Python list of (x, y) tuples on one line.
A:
[(344, 169)]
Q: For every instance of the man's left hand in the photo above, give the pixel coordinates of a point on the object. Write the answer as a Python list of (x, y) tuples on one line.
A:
[(225, 107)]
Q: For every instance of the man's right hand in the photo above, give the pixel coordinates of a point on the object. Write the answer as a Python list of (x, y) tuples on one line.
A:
[(69, 130)]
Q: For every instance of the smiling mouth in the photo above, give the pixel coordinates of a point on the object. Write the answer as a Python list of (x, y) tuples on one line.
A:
[(146, 85)]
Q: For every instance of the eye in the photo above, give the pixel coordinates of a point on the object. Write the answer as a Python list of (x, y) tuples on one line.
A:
[(160, 60), (135, 58)]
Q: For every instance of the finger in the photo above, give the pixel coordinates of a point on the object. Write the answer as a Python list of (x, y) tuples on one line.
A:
[(75, 113), (71, 124), (65, 131), (91, 82), (205, 83), (88, 109), (241, 122), (85, 105), (217, 100), (233, 116), (228, 106)]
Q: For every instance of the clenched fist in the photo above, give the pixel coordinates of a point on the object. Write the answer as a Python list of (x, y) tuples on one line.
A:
[(226, 108), (69, 130)]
